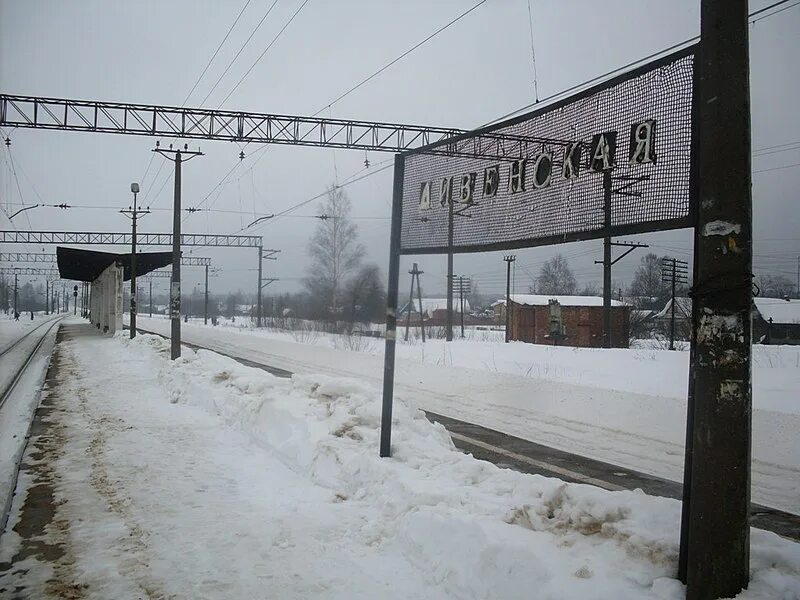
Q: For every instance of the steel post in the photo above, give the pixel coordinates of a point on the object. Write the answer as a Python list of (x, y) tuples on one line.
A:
[(450, 270), (391, 308), (718, 532), (607, 260), (260, 264)]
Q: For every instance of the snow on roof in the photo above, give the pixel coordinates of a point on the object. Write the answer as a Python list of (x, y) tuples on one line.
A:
[(683, 308), (430, 305), (544, 300), (778, 309)]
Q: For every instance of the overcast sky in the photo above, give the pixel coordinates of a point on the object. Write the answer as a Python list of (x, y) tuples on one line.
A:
[(474, 72)]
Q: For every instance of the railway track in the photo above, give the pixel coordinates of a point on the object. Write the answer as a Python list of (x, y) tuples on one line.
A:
[(5, 353), (15, 427)]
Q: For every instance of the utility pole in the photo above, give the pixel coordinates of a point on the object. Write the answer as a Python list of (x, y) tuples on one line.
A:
[(133, 214), (415, 273), (205, 300), (607, 262), (268, 254), (673, 271), (714, 556), (464, 286), (176, 156), (449, 331), (46, 296), (151, 298), (16, 296), (509, 258)]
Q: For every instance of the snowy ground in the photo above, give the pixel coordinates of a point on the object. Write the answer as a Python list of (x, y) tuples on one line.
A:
[(202, 478), (626, 407)]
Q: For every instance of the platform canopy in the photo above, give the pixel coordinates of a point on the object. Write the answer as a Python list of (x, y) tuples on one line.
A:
[(86, 265)]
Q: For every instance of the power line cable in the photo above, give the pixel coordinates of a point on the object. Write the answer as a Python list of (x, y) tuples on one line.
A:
[(260, 56), (399, 58), (227, 35), (259, 154), (616, 71), (777, 168), (533, 54), (774, 13), (247, 41)]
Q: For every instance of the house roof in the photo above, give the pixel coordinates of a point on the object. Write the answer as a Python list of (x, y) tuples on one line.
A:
[(683, 309), (780, 310), (544, 300), (429, 305)]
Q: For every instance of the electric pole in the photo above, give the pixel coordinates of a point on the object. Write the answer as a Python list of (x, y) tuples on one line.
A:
[(673, 271), (133, 214), (16, 296), (268, 254), (151, 298), (205, 300), (176, 156), (607, 262), (464, 286), (509, 258), (415, 273)]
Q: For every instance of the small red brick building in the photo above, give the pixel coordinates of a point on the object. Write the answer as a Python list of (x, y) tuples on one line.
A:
[(581, 319)]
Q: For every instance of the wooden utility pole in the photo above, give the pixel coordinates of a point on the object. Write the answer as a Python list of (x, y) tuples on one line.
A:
[(673, 271), (176, 156), (415, 273), (509, 258), (715, 544)]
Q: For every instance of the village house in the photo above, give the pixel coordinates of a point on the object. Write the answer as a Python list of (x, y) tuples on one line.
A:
[(564, 320), (776, 321)]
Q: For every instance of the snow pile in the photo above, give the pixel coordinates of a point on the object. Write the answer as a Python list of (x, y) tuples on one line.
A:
[(485, 531)]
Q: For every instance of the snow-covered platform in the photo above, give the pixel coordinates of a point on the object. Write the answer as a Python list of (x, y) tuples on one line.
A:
[(203, 478)]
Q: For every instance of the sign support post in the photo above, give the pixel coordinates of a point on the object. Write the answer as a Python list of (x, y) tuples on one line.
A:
[(715, 554), (391, 308)]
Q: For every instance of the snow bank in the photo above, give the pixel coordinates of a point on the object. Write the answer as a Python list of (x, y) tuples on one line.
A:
[(486, 531)]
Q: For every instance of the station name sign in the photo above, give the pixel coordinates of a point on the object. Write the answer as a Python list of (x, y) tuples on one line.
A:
[(538, 172), (614, 159)]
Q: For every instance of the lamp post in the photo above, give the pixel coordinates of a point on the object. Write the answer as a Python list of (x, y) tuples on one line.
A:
[(133, 213)]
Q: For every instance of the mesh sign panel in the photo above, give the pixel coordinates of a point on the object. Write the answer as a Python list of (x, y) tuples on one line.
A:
[(538, 179)]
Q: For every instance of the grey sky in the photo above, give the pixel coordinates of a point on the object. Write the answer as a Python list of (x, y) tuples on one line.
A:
[(479, 69)]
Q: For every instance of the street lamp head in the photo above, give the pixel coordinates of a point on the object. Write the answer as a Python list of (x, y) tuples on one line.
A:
[(135, 188)]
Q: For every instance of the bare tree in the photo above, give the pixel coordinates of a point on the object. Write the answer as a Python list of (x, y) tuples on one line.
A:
[(365, 294), (590, 289), (774, 286), (335, 252), (647, 281), (556, 277)]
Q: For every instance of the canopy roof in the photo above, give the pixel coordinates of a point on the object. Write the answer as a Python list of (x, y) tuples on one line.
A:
[(86, 265)]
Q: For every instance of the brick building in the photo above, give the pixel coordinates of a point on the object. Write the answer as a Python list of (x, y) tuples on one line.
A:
[(581, 320)]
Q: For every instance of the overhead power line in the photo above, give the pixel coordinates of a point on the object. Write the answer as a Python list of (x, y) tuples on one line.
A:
[(401, 57), (260, 56), (227, 35), (233, 60), (637, 62)]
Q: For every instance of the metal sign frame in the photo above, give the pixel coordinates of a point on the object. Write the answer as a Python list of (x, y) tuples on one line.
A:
[(554, 154)]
